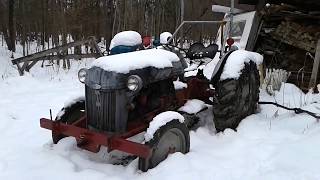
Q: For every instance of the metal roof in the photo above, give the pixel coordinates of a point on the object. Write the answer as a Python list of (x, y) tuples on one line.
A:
[(309, 5)]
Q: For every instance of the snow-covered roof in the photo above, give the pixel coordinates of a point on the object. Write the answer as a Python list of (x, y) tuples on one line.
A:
[(123, 63), (126, 38), (164, 37), (235, 63)]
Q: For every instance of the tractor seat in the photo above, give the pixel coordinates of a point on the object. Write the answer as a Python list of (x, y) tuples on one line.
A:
[(199, 51), (123, 49)]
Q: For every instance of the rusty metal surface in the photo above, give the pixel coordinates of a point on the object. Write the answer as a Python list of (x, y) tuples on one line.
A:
[(198, 89), (91, 141)]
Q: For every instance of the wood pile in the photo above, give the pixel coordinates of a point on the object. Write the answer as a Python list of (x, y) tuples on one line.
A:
[(297, 35)]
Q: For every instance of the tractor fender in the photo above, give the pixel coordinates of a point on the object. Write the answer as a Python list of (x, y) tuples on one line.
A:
[(69, 104), (219, 68)]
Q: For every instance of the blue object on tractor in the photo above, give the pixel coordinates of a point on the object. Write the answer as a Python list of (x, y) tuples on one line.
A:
[(156, 43), (123, 49)]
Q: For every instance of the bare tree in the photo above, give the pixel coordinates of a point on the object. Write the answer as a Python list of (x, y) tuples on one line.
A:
[(50, 20), (11, 25)]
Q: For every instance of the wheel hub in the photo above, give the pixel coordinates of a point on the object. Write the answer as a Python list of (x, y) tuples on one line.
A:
[(172, 141)]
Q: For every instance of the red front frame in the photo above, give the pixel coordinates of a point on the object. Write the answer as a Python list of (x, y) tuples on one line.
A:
[(91, 140)]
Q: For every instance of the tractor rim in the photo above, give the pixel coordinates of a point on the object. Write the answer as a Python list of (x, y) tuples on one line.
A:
[(172, 141)]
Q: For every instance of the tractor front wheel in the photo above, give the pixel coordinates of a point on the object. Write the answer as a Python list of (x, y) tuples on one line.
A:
[(236, 98), (69, 115), (168, 139)]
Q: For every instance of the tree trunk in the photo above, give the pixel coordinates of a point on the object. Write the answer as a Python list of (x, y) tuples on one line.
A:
[(12, 35)]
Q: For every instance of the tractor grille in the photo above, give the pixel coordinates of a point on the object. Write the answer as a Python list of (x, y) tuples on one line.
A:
[(101, 109)]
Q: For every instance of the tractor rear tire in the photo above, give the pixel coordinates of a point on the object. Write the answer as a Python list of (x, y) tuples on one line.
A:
[(71, 114), (236, 99), (170, 138)]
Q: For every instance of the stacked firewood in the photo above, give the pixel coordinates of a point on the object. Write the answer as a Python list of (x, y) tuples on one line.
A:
[(298, 35)]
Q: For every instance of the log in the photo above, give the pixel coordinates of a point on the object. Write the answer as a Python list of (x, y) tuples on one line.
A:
[(68, 56), (27, 66), (30, 60), (52, 50)]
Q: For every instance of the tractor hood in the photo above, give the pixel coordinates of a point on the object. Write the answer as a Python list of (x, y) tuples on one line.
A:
[(112, 72), (99, 78)]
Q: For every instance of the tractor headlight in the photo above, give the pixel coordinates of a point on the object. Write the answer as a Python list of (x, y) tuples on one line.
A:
[(82, 74), (134, 83)]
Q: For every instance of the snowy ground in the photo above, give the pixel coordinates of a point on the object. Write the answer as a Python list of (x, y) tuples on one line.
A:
[(272, 144)]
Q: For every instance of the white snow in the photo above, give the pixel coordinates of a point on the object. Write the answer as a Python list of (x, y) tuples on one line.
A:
[(164, 37), (235, 63), (161, 120), (126, 38), (291, 96), (179, 85), (274, 78), (72, 100), (123, 63), (270, 145), (192, 67), (193, 106)]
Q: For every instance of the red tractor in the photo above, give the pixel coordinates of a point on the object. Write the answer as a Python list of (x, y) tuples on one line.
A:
[(127, 94)]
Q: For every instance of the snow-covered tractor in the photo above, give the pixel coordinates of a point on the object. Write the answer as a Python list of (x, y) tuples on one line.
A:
[(146, 91)]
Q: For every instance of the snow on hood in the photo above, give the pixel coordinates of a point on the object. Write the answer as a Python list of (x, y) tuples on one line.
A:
[(123, 63), (164, 37), (126, 38), (235, 63), (161, 120)]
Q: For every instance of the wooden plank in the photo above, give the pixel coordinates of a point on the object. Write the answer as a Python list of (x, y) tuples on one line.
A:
[(31, 65), (315, 70), (254, 32), (19, 69), (68, 56), (49, 51), (261, 74), (25, 64)]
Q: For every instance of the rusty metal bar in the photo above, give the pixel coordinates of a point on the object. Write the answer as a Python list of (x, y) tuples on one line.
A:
[(134, 130), (91, 140), (130, 147), (74, 131)]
